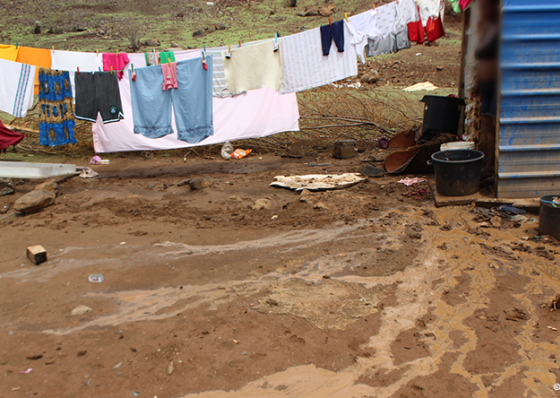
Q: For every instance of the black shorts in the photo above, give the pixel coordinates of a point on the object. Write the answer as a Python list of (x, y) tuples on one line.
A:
[(98, 93)]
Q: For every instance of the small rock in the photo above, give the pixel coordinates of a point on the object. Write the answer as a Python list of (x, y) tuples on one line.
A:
[(344, 149), (201, 183), (262, 204), (152, 43), (235, 198), (320, 206), (307, 196), (35, 357), (7, 186), (118, 366), (81, 353), (371, 171), (80, 310), (184, 182), (371, 77), (221, 27), (170, 368), (244, 353), (33, 201), (198, 33), (176, 45), (49, 185)]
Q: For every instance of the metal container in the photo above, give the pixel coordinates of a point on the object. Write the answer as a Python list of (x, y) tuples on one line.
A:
[(549, 217)]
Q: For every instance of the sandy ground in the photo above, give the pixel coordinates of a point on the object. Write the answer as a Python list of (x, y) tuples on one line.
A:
[(361, 292)]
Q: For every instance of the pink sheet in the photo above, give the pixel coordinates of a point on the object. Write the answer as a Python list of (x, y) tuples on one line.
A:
[(257, 113)]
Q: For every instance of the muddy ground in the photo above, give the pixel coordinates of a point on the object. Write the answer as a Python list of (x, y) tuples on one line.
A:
[(361, 292)]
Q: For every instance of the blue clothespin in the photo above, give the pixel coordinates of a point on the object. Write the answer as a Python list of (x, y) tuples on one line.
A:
[(17, 45), (303, 29), (275, 42), (100, 71), (204, 46)]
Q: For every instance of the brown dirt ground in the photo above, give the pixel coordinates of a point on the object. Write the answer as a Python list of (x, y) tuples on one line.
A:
[(377, 295)]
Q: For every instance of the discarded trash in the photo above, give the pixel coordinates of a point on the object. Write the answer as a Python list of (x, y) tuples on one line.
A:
[(312, 164), (170, 368), (383, 142), (95, 278), (315, 182), (105, 161), (123, 243), (118, 366), (87, 172), (275, 217), (426, 86), (95, 160), (244, 353), (136, 394), (37, 254), (409, 182), (80, 310), (26, 371), (227, 150), (240, 153)]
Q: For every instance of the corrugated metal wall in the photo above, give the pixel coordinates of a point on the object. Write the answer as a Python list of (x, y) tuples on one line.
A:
[(529, 133)]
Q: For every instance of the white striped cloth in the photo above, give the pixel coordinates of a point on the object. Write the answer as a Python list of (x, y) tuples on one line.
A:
[(17, 84), (305, 66)]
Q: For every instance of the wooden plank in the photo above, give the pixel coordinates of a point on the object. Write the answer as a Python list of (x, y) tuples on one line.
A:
[(442, 200)]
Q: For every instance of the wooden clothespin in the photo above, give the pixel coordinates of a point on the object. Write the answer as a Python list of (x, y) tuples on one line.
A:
[(168, 62), (97, 52), (330, 22), (117, 52), (228, 53), (346, 17), (53, 48), (111, 70)]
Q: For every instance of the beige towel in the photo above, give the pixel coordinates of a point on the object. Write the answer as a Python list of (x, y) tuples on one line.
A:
[(253, 67)]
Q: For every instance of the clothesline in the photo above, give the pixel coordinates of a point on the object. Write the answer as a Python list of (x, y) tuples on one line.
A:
[(245, 92)]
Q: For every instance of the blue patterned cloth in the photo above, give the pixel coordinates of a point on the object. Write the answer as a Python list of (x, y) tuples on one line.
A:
[(56, 126)]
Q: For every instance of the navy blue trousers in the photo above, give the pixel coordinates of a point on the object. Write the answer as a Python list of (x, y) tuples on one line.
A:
[(336, 33)]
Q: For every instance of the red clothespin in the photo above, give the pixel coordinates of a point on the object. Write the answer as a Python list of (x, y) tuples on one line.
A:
[(239, 41), (330, 22), (373, 6), (78, 71), (133, 73), (204, 64)]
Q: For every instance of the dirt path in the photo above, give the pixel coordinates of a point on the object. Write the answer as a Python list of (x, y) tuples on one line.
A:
[(376, 295)]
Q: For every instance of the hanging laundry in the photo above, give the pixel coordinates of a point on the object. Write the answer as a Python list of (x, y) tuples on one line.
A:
[(385, 45), (416, 31), (363, 27), (254, 114), (464, 4), (430, 9), (330, 33), (98, 93), (254, 67), (456, 6), (152, 58), (8, 137), (305, 67), (116, 61), (8, 52), (387, 18), (166, 56), (56, 120), (402, 40), (169, 71), (39, 57), (434, 29), (407, 11), (72, 60), (191, 102), (16, 87)]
